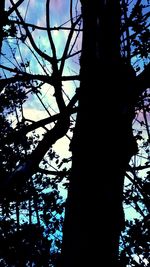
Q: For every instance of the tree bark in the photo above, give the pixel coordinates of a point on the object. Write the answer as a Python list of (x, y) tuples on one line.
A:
[(102, 144)]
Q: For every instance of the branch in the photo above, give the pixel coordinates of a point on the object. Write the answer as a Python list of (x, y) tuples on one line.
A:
[(16, 136), (36, 27), (24, 76), (56, 74), (71, 55), (42, 54), (64, 57), (58, 173), (49, 31), (24, 171), (143, 80), (71, 13), (138, 185), (13, 8), (137, 168), (4, 17)]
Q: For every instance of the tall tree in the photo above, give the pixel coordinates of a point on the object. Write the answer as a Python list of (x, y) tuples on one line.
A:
[(107, 99), (36, 70)]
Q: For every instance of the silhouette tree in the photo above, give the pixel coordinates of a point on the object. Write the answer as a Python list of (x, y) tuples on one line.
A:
[(96, 183), (111, 97)]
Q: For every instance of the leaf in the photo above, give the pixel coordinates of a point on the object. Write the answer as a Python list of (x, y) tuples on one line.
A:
[(138, 137)]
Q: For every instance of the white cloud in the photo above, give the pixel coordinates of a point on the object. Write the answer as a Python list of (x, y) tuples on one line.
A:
[(62, 147), (34, 114)]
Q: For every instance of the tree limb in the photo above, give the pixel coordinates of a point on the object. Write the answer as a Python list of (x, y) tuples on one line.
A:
[(14, 7), (58, 173), (37, 27), (24, 76), (143, 80), (24, 171), (16, 136), (29, 35)]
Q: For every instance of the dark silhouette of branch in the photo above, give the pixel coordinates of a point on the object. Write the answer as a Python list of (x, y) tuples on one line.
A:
[(64, 57), (146, 119), (16, 136), (138, 185), (71, 55), (13, 8), (49, 31), (4, 17), (71, 13), (138, 168), (24, 76), (49, 172), (34, 27), (143, 80), (29, 35), (25, 170)]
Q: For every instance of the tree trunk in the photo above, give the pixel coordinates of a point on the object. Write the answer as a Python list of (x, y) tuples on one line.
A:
[(102, 144)]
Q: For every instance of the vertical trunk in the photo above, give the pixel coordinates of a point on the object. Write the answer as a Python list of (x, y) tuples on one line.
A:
[(2, 7), (102, 144)]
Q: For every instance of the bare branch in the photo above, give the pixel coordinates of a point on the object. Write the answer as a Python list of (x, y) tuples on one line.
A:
[(13, 8), (26, 170), (29, 35), (37, 27), (138, 168), (71, 15), (16, 136), (143, 80), (48, 30), (58, 173), (56, 74), (138, 185), (24, 76), (68, 44)]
